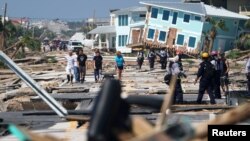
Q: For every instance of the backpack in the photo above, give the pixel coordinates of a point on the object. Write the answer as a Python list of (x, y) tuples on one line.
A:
[(209, 70), (167, 78)]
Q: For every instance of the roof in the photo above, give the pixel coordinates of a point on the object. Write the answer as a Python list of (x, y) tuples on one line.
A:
[(130, 9), (221, 12), (195, 8), (103, 30)]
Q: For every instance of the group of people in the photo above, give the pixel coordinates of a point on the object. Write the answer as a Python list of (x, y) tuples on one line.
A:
[(76, 66), (212, 75), (163, 55)]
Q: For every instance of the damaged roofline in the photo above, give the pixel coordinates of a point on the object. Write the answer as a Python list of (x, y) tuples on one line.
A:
[(148, 4)]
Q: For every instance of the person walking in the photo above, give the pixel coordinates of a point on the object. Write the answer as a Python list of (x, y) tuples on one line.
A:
[(151, 58), (140, 58), (69, 67), (174, 69), (120, 63), (76, 67), (97, 65), (224, 67), (206, 73), (163, 59), (247, 69), (216, 81), (82, 58)]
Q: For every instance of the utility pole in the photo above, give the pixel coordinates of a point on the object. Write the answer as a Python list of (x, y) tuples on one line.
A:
[(3, 33)]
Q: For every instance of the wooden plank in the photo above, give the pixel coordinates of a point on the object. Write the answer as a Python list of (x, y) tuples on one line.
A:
[(231, 117), (140, 126)]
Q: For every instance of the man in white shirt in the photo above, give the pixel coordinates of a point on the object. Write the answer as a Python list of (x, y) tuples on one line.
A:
[(69, 68), (76, 68)]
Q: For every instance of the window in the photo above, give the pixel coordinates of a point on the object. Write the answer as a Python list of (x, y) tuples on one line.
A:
[(162, 36), (197, 18), (186, 18), (142, 15), (123, 20), (175, 15), (122, 40), (191, 41), (180, 39), (151, 33), (154, 13), (165, 15)]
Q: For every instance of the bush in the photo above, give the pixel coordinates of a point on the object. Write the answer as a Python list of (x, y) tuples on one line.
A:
[(20, 55), (247, 44), (32, 44), (233, 54)]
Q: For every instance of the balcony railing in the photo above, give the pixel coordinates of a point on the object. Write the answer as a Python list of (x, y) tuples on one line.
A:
[(137, 19), (244, 10)]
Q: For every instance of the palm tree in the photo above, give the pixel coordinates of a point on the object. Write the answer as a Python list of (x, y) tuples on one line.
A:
[(243, 43), (247, 24), (216, 25)]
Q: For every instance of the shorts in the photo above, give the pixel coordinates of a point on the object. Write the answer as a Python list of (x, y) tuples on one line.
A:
[(224, 80), (82, 69), (120, 67), (69, 70)]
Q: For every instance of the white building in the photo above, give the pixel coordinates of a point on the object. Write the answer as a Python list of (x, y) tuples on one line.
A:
[(126, 26)]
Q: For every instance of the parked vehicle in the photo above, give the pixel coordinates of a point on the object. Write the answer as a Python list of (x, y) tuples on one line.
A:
[(74, 45)]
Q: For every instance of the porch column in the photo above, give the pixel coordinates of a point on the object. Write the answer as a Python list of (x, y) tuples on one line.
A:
[(100, 42), (107, 41), (141, 32)]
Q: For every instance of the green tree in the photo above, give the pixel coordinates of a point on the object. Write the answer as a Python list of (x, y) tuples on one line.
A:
[(247, 24), (243, 43), (216, 25)]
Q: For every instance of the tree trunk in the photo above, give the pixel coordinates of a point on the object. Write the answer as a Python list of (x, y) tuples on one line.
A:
[(211, 45), (206, 45), (23, 51), (212, 37)]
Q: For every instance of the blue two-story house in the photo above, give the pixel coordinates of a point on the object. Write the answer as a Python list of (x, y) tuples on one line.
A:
[(184, 25)]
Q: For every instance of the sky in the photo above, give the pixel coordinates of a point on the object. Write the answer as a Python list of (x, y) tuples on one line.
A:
[(63, 9)]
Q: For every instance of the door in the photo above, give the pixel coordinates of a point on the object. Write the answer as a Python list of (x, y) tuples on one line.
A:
[(175, 15), (113, 42), (171, 36), (135, 36)]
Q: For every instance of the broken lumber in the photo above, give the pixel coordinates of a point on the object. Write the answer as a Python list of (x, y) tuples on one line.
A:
[(73, 90), (7, 80), (19, 92), (231, 117), (6, 72)]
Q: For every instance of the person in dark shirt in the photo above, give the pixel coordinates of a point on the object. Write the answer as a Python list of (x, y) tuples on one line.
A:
[(151, 58), (82, 58), (97, 65), (140, 58), (206, 75)]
